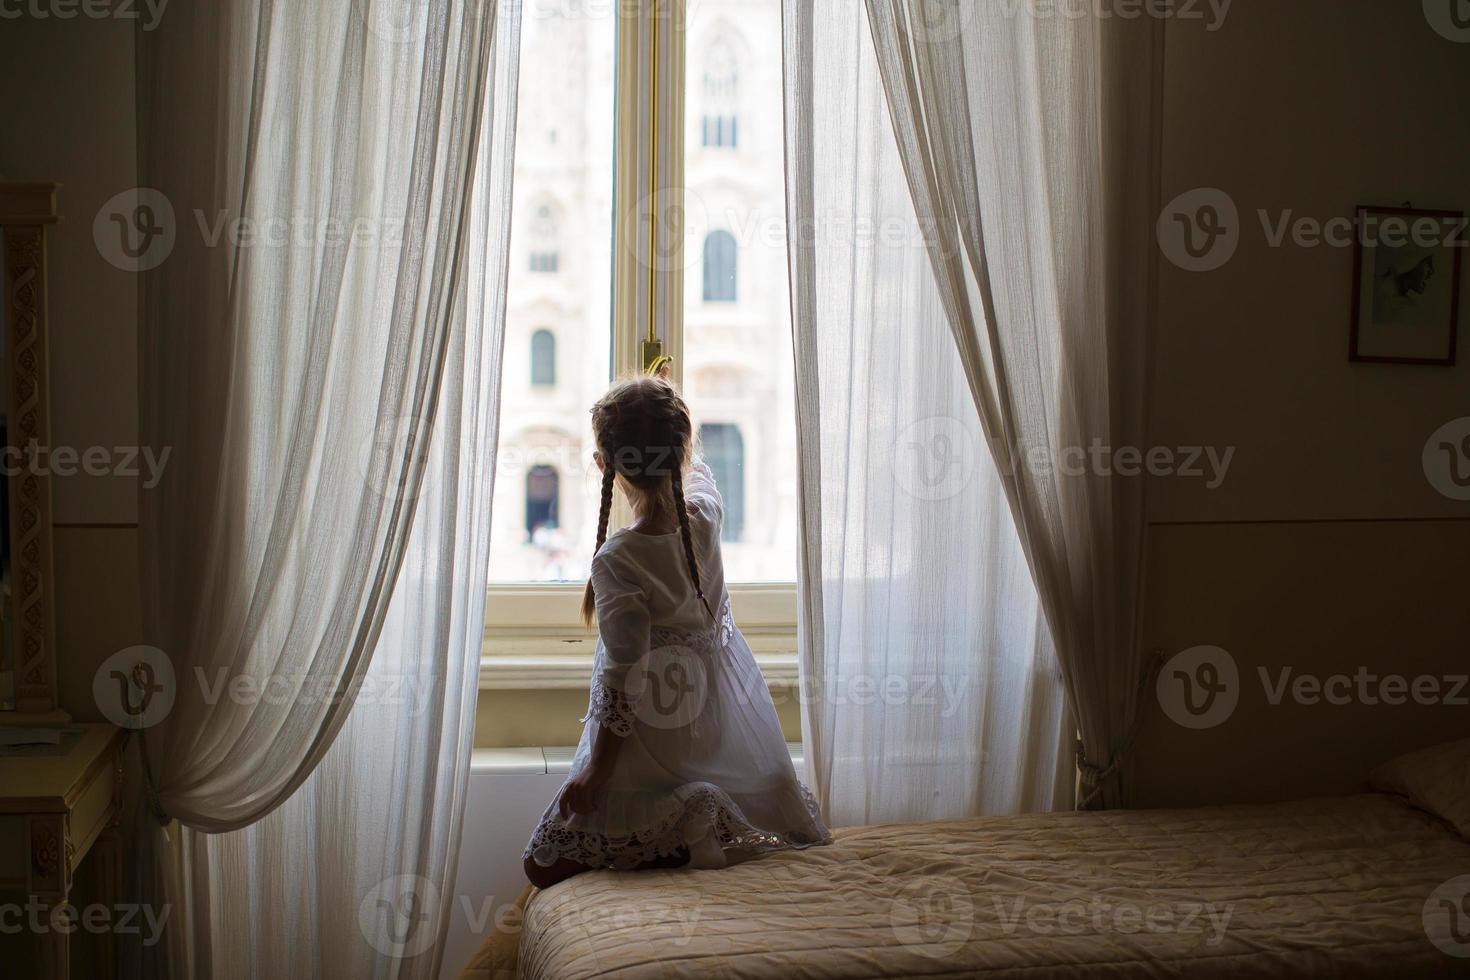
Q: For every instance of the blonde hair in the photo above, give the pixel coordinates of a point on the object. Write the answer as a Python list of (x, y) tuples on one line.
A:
[(642, 429)]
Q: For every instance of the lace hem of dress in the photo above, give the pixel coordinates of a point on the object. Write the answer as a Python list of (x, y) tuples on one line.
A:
[(683, 821)]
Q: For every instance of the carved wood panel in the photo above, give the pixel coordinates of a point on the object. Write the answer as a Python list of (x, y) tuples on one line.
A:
[(30, 499)]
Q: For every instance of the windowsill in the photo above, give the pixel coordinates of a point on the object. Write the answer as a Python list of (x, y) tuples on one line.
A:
[(534, 640), (567, 673), (556, 760)]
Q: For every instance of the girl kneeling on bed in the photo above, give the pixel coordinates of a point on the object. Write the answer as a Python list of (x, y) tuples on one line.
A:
[(681, 762)]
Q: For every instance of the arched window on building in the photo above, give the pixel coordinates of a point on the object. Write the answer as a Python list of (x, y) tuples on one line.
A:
[(720, 261), (720, 118), (724, 454), (545, 239), (543, 357), (543, 487)]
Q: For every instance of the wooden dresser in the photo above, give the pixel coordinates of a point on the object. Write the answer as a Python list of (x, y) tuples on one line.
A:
[(58, 806)]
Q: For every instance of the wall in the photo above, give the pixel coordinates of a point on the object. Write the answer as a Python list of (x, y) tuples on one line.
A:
[(1325, 549), (70, 119)]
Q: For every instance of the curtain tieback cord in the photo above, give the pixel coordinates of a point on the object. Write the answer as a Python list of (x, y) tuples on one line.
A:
[(1093, 775), (141, 676)]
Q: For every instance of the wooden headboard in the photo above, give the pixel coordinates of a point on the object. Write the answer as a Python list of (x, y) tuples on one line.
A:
[(1316, 599)]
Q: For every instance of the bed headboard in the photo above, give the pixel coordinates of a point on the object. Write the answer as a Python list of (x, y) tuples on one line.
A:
[(1319, 600)]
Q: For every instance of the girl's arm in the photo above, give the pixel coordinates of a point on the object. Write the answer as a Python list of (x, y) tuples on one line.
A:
[(605, 746), (623, 627), (581, 792), (701, 493)]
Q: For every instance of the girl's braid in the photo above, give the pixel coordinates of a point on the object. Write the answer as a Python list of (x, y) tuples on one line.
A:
[(589, 600), (687, 535)]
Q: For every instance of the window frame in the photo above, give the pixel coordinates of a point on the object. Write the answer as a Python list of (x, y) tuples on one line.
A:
[(534, 638)]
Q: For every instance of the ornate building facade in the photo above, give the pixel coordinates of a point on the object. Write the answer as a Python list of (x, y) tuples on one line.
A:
[(737, 343)]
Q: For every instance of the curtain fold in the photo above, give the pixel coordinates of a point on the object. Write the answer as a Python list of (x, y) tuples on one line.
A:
[(1028, 144), (930, 685), (320, 353), (1003, 162)]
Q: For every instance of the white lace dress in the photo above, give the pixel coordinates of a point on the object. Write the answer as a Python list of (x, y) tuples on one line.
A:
[(703, 751)]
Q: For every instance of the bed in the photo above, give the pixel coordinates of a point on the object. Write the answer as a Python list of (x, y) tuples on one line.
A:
[(1359, 886)]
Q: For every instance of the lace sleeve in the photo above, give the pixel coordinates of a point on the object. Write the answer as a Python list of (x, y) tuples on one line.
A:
[(701, 492), (611, 709), (623, 635)]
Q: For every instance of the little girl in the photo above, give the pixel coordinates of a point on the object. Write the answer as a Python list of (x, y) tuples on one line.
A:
[(681, 761)]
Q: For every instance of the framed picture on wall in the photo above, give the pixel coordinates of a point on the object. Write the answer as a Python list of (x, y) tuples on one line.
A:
[(1406, 285)]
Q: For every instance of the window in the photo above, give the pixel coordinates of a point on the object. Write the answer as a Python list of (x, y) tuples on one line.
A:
[(719, 267), (543, 489), (545, 252), (724, 453), (632, 248), (720, 124), (561, 234), (543, 358)]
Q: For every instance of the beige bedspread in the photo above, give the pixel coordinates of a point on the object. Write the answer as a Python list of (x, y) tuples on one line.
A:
[(1330, 888)]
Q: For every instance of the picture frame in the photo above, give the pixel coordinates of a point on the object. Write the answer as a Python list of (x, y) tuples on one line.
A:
[(1407, 269)]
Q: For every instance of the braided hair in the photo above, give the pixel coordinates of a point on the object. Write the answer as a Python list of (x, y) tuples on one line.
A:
[(643, 432)]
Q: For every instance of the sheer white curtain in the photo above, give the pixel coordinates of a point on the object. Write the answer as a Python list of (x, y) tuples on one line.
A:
[(1013, 150), (930, 687), (321, 354)]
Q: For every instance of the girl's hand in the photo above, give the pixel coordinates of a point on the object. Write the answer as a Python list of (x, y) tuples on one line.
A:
[(580, 793), (662, 367)]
